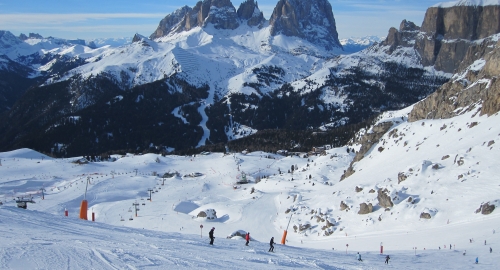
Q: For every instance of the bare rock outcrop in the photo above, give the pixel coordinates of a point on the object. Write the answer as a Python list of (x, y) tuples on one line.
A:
[(404, 37), (463, 93), (447, 32), (311, 20), (220, 13), (402, 177), (425, 215), (249, 11), (343, 206), (384, 200), (365, 208), (367, 141), (170, 22), (486, 209)]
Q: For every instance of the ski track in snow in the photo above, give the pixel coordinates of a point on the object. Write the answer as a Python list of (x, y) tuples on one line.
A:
[(166, 233)]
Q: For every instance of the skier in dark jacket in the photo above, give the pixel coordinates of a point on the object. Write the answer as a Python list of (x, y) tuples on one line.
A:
[(211, 235), (271, 245), (247, 237), (387, 258)]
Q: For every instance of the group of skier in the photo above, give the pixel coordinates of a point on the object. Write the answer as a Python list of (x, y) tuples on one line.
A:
[(387, 258), (247, 238)]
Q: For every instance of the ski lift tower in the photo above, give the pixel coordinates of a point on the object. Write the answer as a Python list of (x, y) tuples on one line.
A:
[(136, 206), (150, 190), (84, 205)]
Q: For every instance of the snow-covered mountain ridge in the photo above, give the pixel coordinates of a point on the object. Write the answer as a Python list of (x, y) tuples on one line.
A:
[(221, 83)]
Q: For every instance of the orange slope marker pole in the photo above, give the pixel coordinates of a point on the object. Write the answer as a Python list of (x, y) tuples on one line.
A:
[(84, 205), (283, 239)]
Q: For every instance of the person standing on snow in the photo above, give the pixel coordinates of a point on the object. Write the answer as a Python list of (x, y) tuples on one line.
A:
[(387, 258), (477, 260), (358, 256), (491, 250), (271, 245), (247, 237), (211, 235)]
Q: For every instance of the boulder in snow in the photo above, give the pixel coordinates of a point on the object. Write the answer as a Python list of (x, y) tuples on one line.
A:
[(365, 208), (209, 214), (384, 200), (425, 215), (486, 208)]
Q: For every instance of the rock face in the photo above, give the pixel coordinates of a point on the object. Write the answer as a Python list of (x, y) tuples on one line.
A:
[(367, 141), (311, 20), (220, 13), (249, 11), (475, 86), (384, 200), (447, 33), (365, 208), (170, 22), (404, 37)]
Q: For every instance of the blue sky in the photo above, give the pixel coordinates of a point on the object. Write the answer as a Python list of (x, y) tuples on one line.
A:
[(112, 18)]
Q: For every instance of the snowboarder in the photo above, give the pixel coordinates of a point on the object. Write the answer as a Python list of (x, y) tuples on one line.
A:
[(485, 242), (450, 246), (358, 256), (247, 237), (387, 258), (271, 245), (477, 260), (211, 235), (465, 251), (491, 250)]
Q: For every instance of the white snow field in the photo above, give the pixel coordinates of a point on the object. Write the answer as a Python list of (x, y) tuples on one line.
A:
[(166, 232)]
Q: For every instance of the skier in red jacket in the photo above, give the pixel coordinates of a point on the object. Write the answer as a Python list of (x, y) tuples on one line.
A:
[(247, 237)]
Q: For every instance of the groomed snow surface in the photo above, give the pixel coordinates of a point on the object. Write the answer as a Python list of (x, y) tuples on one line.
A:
[(166, 233)]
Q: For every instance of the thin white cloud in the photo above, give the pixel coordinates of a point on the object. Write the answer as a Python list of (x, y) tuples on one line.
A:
[(57, 19), (131, 29)]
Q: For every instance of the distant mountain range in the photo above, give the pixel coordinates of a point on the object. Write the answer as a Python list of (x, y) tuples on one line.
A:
[(212, 73)]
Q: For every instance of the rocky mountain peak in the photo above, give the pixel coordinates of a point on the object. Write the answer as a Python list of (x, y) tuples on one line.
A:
[(311, 20), (448, 31), (170, 22), (249, 11), (408, 26), (7, 40), (220, 13), (404, 37)]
